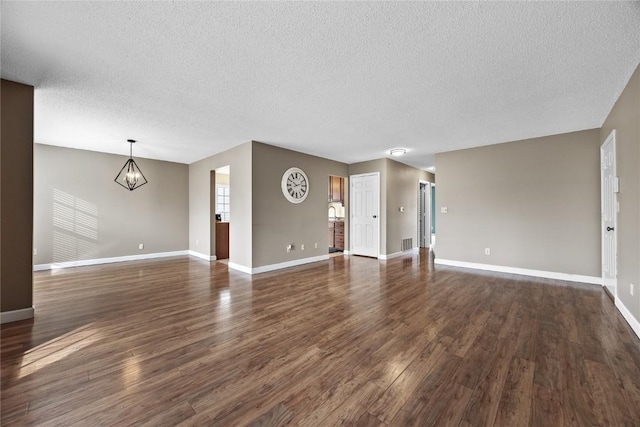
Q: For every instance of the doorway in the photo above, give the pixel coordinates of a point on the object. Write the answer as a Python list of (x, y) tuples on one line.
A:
[(365, 214), (336, 214), (609, 204), (424, 214), (220, 212)]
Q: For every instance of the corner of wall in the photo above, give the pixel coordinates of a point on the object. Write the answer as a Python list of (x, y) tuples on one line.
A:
[(624, 118), (16, 192)]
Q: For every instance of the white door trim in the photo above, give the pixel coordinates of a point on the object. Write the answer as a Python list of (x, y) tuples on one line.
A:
[(351, 201), (610, 139), (427, 229), (432, 208)]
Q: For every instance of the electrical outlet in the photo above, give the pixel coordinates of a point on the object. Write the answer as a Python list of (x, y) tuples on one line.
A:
[(316, 245), (289, 248), (141, 246), (197, 242), (302, 247), (487, 251), (444, 209), (631, 288), (35, 252)]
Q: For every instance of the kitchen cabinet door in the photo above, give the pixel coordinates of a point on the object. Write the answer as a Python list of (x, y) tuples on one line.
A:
[(336, 189)]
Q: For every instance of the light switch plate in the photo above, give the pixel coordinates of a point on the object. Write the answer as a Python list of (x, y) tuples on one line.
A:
[(444, 209)]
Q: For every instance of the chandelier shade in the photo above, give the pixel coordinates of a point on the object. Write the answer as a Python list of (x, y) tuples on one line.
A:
[(130, 176)]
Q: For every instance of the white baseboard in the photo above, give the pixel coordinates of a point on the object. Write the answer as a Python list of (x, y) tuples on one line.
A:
[(279, 266), (203, 256), (15, 315), (389, 256), (242, 268), (523, 271), (96, 261), (397, 254), (632, 321)]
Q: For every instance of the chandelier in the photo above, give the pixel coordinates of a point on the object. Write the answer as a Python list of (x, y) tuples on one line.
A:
[(130, 176)]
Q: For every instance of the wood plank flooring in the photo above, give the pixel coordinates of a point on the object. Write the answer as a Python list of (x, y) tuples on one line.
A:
[(350, 341)]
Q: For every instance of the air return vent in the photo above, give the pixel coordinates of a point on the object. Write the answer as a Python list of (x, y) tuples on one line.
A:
[(407, 244)]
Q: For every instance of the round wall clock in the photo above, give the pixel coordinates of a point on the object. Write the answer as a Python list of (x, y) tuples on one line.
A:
[(295, 185)]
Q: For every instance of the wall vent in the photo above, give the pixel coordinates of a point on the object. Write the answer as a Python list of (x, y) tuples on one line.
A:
[(407, 244)]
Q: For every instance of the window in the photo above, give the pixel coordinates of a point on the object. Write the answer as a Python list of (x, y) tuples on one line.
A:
[(223, 205)]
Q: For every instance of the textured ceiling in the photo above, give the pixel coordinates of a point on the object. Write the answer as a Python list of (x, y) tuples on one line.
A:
[(347, 81)]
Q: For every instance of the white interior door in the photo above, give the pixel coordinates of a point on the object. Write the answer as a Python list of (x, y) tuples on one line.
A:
[(609, 208), (365, 214)]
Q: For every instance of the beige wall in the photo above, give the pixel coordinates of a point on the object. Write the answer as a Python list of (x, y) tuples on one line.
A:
[(402, 191), (277, 222), (263, 223), (81, 213), (16, 200), (625, 119), (201, 232), (262, 220), (534, 203), (398, 187)]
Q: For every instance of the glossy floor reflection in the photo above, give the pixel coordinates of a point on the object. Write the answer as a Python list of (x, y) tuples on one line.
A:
[(346, 341)]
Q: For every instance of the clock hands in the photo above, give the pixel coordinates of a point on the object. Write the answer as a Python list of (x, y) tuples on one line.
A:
[(295, 185)]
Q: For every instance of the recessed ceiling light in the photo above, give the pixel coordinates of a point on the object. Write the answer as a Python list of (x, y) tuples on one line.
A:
[(398, 151)]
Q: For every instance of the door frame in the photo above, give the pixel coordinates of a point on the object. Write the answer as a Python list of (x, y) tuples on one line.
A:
[(427, 228), (351, 210), (610, 139), (432, 210)]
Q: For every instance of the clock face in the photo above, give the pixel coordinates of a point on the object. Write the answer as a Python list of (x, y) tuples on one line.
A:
[(295, 185)]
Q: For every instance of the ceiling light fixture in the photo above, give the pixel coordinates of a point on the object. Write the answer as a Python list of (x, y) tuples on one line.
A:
[(398, 151), (130, 176)]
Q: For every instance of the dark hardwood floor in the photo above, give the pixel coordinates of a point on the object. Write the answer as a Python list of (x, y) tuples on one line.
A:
[(349, 341)]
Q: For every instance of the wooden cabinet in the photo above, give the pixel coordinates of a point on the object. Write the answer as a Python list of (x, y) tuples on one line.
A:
[(336, 189), (331, 233), (222, 240), (336, 234)]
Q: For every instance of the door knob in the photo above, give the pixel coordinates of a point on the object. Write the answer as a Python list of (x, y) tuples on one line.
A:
[(375, 216), (610, 228)]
